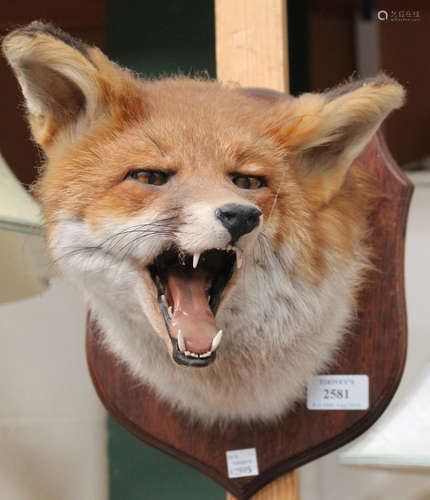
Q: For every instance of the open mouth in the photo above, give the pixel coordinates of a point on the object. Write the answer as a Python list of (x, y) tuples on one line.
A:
[(190, 289)]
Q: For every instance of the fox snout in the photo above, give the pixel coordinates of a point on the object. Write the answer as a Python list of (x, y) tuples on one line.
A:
[(238, 219)]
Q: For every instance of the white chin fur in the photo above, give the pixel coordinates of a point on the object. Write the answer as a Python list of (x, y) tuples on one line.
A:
[(278, 331)]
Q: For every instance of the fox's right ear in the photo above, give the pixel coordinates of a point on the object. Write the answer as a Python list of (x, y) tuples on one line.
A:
[(58, 77)]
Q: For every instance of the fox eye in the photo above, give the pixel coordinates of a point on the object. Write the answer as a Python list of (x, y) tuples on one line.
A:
[(154, 177), (248, 181)]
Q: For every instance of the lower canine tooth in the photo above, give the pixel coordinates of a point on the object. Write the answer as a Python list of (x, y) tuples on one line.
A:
[(239, 260), (216, 341), (181, 342), (170, 311), (206, 354)]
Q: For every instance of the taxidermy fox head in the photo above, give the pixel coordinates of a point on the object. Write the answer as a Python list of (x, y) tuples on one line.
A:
[(207, 227)]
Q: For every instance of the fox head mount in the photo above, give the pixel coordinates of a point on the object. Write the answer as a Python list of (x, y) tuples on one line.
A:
[(207, 228)]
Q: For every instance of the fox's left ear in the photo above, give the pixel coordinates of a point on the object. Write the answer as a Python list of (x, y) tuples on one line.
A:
[(64, 81), (326, 132)]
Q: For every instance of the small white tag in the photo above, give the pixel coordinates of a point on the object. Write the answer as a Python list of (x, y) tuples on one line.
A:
[(242, 463), (338, 392)]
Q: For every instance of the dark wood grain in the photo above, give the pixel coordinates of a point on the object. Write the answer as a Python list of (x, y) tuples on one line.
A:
[(376, 348)]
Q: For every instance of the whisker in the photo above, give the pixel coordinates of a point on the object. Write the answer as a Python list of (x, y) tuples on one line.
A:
[(116, 243)]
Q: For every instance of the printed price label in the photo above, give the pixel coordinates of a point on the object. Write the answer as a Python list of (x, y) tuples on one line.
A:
[(338, 392), (242, 463)]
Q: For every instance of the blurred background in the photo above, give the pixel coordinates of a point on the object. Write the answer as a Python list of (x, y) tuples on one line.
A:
[(56, 441)]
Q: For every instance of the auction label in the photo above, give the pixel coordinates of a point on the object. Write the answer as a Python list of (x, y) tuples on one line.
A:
[(338, 392), (242, 463)]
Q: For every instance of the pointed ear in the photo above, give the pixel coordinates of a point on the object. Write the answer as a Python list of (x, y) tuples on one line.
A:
[(326, 132), (57, 76)]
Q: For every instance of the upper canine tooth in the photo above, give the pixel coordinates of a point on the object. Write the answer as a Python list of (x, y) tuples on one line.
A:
[(196, 258), (181, 341), (216, 341)]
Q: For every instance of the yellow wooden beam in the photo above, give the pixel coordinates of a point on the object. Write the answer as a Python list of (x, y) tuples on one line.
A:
[(252, 50), (251, 43), (283, 488)]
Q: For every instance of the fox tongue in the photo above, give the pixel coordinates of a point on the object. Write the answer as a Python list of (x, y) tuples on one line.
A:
[(191, 311)]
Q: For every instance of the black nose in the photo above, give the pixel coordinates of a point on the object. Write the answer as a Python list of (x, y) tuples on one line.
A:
[(238, 219)]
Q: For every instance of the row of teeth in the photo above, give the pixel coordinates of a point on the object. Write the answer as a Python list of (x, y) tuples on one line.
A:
[(238, 251), (215, 344)]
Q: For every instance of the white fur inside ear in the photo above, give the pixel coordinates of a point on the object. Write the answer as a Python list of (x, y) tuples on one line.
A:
[(84, 79), (57, 80), (340, 126), (34, 105), (353, 118)]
